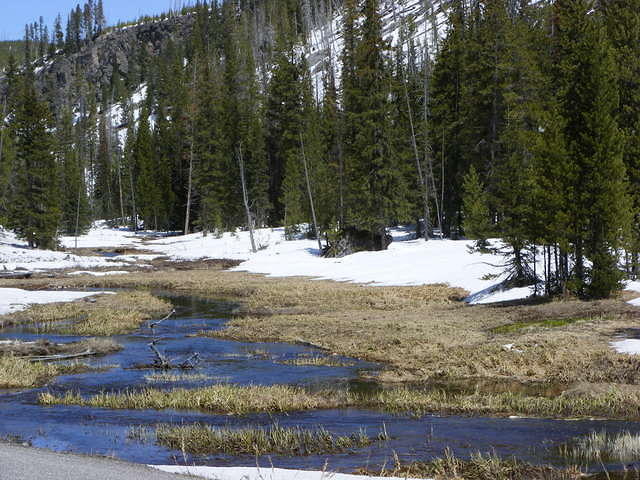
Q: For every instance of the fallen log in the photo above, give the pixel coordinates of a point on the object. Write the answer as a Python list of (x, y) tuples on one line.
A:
[(53, 358)]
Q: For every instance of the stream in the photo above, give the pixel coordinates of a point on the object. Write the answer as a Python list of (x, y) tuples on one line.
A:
[(107, 432)]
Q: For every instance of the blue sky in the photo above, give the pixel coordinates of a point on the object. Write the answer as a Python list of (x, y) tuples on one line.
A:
[(14, 14)]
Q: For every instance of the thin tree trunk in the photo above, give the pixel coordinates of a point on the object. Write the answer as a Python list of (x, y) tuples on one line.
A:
[(191, 150), (245, 197), (313, 208), (4, 115), (78, 211), (134, 213)]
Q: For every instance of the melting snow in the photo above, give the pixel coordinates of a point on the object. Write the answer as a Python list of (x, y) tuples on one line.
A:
[(255, 473)]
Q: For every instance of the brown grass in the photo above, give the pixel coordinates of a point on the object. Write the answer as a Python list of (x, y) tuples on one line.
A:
[(106, 315), (206, 440), (240, 400), (478, 467), (40, 348), (18, 373), (418, 333), (222, 399)]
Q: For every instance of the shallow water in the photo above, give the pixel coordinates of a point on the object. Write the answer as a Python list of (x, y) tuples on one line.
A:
[(104, 432)]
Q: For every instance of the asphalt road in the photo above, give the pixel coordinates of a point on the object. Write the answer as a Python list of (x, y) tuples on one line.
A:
[(24, 463)]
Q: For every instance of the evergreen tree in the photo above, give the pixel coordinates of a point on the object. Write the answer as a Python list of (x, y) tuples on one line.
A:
[(623, 27), (76, 217), (103, 175), (477, 217), (376, 189), (147, 192), (35, 212), (590, 101)]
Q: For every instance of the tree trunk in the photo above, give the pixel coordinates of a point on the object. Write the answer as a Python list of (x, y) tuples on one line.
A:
[(245, 197), (187, 219), (313, 209)]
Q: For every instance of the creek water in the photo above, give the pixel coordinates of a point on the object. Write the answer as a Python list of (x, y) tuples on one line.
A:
[(108, 432)]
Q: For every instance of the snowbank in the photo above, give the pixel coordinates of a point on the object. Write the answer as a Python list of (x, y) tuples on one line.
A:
[(630, 346), (15, 299), (254, 473), (101, 236), (406, 262)]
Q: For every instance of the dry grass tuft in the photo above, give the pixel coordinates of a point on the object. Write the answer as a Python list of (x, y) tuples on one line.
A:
[(18, 373), (241, 400), (41, 348), (478, 467), (222, 399), (317, 361), (169, 377), (605, 447), (206, 440), (115, 314)]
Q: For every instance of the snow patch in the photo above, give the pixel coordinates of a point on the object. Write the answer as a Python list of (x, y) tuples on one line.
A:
[(255, 473), (630, 346), (100, 274), (15, 299)]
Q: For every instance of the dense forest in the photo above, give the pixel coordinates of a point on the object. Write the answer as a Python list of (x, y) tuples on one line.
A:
[(521, 122)]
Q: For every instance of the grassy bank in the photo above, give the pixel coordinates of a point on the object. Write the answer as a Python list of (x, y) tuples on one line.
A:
[(240, 400), (277, 440), (222, 399), (18, 373), (105, 315), (45, 348)]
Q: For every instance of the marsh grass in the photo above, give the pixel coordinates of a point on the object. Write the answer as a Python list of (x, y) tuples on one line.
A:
[(42, 348), (140, 434), (478, 467), (422, 333), (222, 399), (169, 377), (19, 373), (317, 361), (115, 314), (549, 323), (623, 447), (205, 439), (241, 400)]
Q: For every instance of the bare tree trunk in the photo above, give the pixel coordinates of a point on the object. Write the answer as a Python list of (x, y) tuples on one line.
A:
[(120, 188), (78, 211), (187, 216), (313, 208), (134, 212), (4, 115), (245, 197)]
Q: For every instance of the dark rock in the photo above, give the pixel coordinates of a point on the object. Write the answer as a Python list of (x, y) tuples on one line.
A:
[(351, 240)]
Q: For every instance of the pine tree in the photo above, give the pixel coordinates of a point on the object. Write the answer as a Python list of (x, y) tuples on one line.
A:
[(283, 117), (35, 212), (147, 191), (477, 218), (76, 217), (589, 94), (103, 176), (376, 190), (447, 85), (623, 27)]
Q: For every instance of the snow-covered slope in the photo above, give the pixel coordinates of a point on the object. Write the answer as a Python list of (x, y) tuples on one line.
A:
[(423, 21)]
